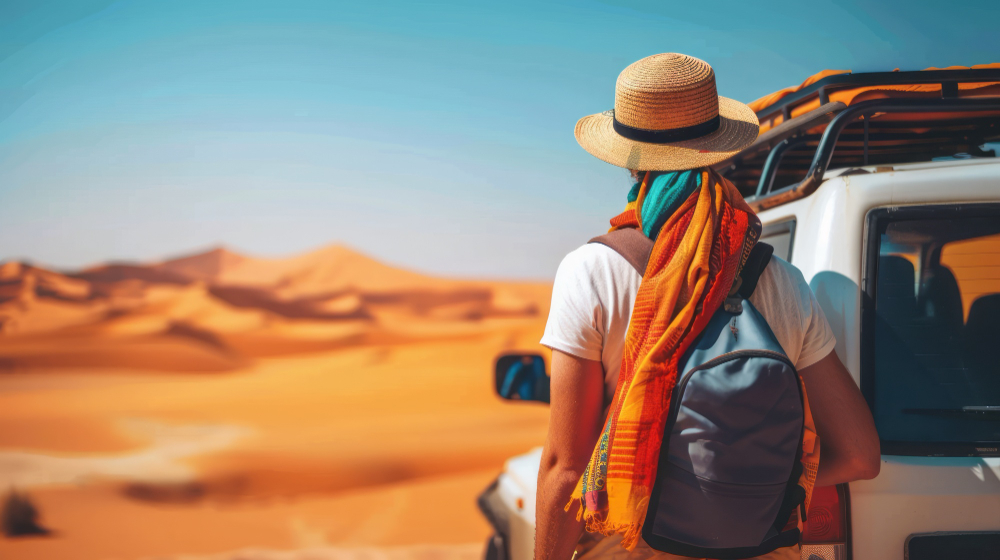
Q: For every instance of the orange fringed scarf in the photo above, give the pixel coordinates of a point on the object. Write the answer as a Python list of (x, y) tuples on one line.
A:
[(695, 259)]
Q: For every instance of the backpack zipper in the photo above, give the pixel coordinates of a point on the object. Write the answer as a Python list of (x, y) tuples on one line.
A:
[(728, 356)]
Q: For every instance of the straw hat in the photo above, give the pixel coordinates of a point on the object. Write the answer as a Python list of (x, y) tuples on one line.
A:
[(668, 117)]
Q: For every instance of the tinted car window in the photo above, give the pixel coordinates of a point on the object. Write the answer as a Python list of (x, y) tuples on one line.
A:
[(937, 330)]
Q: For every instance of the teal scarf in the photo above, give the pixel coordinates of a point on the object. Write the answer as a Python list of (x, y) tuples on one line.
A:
[(667, 191)]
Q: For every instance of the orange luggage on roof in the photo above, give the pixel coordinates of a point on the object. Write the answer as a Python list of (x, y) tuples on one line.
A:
[(848, 95)]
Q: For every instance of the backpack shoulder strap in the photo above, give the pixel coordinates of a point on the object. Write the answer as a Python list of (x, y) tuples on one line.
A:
[(758, 260), (635, 248), (631, 244)]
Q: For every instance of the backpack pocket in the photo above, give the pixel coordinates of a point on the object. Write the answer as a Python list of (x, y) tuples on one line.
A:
[(712, 514)]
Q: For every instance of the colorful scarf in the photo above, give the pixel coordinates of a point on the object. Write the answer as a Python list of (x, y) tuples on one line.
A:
[(703, 232)]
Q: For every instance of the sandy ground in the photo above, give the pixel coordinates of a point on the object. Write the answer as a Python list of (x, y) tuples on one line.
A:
[(259, 430), (98, 521)]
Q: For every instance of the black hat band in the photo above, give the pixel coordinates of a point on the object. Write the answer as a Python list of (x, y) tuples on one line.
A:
[(667, 135)]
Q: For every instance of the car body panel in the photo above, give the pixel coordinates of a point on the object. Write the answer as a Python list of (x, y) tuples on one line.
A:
[(911, 494), (517, 486)]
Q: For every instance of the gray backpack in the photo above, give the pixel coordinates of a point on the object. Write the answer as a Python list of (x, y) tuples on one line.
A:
[(727, 482)]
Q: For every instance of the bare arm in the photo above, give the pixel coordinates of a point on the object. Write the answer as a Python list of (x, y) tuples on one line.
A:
[(849, 446), (577, 403)]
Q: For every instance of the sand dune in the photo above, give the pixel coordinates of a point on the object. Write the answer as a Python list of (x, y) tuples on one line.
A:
[(328, 270), (223, 406), (215, 310)]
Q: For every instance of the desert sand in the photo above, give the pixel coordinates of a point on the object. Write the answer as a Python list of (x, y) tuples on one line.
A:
[(222, 406)]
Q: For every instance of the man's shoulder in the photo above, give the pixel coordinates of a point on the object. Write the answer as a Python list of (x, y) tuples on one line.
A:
[(782, 285), (780, 273), (781, 289), (593, 258)]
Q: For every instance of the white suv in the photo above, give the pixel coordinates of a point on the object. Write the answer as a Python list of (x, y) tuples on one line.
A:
[(889, 204)]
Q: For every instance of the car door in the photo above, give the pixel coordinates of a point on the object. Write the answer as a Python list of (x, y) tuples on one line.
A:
[(930, 337)]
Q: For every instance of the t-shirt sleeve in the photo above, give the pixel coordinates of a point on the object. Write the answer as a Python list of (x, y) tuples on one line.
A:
[(818, 340), (575, 320), (788, 304)]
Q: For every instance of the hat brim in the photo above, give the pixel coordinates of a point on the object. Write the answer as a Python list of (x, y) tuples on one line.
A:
[(738, 128)]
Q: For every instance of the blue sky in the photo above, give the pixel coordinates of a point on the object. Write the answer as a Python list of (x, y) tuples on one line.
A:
[(436, 136)]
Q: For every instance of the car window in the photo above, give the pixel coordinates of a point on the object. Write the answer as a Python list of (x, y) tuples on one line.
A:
[(780, 235), (936, 329)]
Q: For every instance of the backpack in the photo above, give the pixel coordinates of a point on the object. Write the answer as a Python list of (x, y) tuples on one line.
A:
[(730, 476)]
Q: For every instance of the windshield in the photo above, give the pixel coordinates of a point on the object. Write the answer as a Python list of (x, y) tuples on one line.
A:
[(937, 330)]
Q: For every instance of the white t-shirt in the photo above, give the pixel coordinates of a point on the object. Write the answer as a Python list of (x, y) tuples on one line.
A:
[(595, 289)]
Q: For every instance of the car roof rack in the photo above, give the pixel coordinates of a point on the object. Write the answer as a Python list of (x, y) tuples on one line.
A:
[(788, 161), (822, 89)]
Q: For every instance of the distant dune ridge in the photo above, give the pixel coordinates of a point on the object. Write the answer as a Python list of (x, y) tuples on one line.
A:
[(215, 310)]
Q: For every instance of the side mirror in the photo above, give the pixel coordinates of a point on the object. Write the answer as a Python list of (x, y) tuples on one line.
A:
[(522, 377)]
